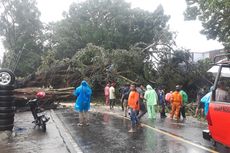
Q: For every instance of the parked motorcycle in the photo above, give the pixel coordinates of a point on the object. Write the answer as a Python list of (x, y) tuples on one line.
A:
[(40, 117)]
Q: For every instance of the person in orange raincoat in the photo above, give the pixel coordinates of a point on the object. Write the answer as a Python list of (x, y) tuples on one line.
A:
[(133, 104), (176, 102)]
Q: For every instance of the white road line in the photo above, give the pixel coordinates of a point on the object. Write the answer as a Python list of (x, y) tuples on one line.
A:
[(71, 144)]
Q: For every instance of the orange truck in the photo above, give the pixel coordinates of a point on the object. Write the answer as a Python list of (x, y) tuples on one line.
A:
[(218, 116)]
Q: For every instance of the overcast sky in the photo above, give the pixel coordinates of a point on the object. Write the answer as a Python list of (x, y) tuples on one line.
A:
[(188, 32)]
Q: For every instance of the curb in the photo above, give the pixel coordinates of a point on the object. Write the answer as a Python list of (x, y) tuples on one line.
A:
[(71, 145)]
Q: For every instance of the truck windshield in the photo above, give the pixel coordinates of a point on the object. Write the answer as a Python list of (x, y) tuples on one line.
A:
[(222, 92)]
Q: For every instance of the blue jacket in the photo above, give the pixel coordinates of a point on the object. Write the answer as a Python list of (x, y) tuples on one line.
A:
[(83, 94), (206, 100)]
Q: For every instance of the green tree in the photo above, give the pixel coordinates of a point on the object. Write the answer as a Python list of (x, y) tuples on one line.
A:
[(174, 69), (111, 24), (214, 15), (22, 32)]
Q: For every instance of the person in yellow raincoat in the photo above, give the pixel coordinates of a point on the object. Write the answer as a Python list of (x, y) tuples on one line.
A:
[(176, 101)]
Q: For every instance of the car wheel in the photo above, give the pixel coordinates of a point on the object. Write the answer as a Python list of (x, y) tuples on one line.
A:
[(7, 77)]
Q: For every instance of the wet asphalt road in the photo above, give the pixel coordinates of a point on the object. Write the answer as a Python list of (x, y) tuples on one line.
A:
[(109, 133), (26, 139)]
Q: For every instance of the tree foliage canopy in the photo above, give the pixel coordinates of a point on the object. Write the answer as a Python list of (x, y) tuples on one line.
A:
[(21, 28), (215, 18), (111, 24), (98, 40)]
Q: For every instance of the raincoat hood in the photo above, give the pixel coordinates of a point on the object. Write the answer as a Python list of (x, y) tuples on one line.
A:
[(148, 87), (84, 83), (150, 96)]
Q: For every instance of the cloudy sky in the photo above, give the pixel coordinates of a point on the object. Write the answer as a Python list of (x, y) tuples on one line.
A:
[(188, 32)]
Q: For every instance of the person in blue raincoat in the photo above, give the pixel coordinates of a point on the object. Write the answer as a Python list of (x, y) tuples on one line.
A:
[(206, 100), (82, 105)]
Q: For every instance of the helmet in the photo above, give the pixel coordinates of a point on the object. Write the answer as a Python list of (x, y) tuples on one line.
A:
[(177, 87), (41, 94)]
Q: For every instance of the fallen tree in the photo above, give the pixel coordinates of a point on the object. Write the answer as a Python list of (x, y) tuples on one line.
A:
[(51, 100)]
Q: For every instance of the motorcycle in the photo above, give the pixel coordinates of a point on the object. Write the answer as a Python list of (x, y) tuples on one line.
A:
[(40, 118)]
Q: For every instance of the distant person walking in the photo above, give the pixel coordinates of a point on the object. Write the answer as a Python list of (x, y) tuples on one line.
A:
[(82, 105), (151, 100), (133, 104), (125, 97), (161, 97), (176, 101), (112, 96), (106, 92), (143, 110), (184, 102)]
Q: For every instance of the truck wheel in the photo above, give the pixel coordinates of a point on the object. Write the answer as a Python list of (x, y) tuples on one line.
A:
[(6, 115), (6, 103), (6, 98), (6, 77), (6, 87), (7, 109), (6, 127), (213, 142), (6, 92), (8, 121)]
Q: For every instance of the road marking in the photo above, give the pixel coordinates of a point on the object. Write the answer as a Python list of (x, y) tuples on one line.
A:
[(72, 146), (180, 139), (168, 134)]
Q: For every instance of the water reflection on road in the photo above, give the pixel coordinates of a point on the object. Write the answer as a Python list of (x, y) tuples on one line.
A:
[(108, 133)]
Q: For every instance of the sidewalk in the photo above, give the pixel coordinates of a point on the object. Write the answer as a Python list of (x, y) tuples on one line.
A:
[(25, 139)]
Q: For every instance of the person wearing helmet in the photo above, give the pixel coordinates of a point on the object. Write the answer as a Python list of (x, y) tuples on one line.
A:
[(176, 101), (82, 105)]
